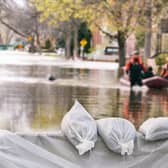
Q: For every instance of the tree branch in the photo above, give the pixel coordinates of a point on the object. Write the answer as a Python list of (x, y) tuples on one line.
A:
[(111, 36), (12, 28)]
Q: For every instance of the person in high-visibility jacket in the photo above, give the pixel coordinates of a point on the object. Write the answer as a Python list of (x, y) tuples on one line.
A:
[(135, 69), (164, 72)]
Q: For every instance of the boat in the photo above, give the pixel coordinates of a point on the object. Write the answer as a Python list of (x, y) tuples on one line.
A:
[(152, 82), (156, 82)]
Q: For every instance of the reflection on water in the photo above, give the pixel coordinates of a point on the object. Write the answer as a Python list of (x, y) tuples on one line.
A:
[(134, 107), (28, 106)]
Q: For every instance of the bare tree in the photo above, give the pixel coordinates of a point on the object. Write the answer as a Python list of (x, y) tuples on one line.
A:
[(24, 21)]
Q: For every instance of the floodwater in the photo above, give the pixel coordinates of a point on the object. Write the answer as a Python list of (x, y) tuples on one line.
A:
[(29, 102)]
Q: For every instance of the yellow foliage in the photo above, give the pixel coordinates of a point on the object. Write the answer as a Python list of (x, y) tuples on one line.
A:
[(115, 14), (63, 10)]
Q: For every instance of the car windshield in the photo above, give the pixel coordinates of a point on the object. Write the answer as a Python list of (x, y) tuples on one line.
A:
[(112, 49)]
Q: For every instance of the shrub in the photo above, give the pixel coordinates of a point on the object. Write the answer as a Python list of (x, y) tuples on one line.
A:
[(48, 44), (161, 59)]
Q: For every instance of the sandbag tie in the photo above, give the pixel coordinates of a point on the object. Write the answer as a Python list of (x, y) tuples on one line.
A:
[(85, 146), (127, 148)]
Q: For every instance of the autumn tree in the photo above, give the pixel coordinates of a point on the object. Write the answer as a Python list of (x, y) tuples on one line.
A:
[(70, 13), (121, 19), (117, 19), (120, 16)]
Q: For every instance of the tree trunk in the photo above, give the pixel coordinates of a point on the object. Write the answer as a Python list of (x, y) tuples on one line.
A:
[(1, 39), (121, 43), (38, 41), (68, 44), (76, 47), (32, 46), (148, 33), (9, 36), (37, 34)]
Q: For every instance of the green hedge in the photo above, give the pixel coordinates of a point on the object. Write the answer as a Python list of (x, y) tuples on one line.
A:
[(161, 59)]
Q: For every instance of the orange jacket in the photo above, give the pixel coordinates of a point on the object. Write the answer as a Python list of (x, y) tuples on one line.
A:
[(128, 64), (164, 72)]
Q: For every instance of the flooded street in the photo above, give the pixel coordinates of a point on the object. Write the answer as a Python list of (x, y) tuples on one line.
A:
[(29, 102)]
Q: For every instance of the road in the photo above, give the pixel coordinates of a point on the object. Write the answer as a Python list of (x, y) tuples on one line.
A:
[(24, 58)]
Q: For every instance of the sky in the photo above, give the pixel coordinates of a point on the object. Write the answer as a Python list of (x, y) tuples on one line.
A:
[(20, 2)]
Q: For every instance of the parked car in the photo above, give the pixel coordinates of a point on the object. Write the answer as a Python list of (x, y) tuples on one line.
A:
[(110, 50), (60, 51)]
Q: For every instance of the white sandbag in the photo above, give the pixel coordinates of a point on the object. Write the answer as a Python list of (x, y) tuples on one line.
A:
[(155, 128), (118, 134), (80, 128)]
